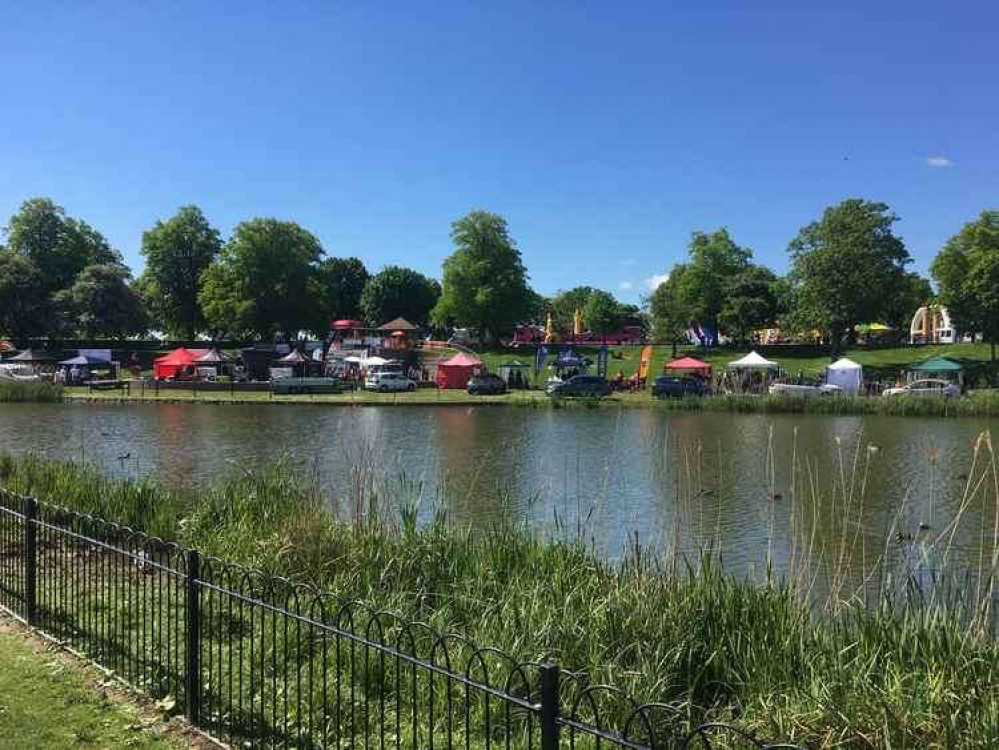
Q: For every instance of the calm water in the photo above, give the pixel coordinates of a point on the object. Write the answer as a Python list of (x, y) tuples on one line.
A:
[(674, 480)]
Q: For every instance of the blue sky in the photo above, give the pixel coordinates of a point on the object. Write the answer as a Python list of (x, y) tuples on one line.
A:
[(604, 132)]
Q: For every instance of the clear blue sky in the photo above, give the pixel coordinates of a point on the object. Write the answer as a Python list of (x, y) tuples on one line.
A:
[(604, 132)]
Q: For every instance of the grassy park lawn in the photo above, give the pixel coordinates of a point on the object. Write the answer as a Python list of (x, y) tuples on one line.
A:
[(47, 703)]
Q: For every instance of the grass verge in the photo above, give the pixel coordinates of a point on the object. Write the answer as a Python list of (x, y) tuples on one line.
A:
[(50, 701), (15, 392)]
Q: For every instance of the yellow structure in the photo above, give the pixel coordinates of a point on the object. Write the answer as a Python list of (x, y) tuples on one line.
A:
[(577, 322), (932, 325)]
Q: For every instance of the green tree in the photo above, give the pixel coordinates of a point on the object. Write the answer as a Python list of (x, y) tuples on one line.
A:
[(668, 309), (485, 283), (102, 302), (264, 282), (24, 307), (59, 245), (341, 282), (842, 267), (564, 304), (397, 292), (714, 261), (602, 313), (967, 274), (177, 252), (914, 292), (751, 302)]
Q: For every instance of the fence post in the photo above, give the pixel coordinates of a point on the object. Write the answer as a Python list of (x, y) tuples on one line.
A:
[(192, 682), (30, 511), (549, 707)]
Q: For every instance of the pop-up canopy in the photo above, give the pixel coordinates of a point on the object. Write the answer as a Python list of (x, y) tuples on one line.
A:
[(845, 373), (31, 357), (689, 364), (456, 372), (174, 363), (752, 361)]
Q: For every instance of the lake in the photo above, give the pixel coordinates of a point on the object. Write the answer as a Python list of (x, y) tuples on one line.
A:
[(861, 487)]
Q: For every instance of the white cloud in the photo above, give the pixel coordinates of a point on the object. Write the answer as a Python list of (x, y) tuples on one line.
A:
[(938, 162), (626, 286), (627, 262), (654, 281)]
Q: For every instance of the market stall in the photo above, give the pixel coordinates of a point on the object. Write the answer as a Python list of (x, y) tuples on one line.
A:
[(846, 374), (456, 372), (180, 364), (688, 366)]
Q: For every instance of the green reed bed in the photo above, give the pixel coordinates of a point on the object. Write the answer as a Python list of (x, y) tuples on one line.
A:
[(904, 671), (29, 392)]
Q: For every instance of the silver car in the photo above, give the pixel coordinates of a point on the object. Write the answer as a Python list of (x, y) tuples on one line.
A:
[(929, 387), (385, 382)]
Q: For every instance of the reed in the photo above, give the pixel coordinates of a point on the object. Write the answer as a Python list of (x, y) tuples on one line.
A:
[(29, 392), (846, 646)]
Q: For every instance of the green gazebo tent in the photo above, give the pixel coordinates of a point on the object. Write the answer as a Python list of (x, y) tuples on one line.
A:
[(937, 367)]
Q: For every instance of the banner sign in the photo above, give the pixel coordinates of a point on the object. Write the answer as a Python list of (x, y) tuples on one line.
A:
[(539, 358), (602, 361), (644, 363)]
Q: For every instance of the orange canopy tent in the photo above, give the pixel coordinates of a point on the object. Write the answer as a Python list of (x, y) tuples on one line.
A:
[(689, 364), (456, 372), (175, 363)]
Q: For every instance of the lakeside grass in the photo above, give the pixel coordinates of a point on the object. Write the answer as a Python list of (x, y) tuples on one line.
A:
[(903, 672), (976, 404), (46, 703), (29, 392)]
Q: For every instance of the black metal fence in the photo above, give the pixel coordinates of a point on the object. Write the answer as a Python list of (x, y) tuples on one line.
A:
[(260, 661)]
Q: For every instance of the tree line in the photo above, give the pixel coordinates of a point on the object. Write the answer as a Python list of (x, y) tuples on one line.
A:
[(59, 277)]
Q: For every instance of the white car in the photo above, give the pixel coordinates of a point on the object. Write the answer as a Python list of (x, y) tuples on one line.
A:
[(805, 390), (925, 388), (388, 382)]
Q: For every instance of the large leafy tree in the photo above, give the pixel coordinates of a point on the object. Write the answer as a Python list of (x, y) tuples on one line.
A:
[(602, 313), (341, 282), (714, 261), (59, 245), (668, 309), (844, 266), (177, 252), (564, 304), (24, 308), (751, 302), (264, 282), (397, 292), (967, 275), (103, 302), (912, 293), (485, 283)]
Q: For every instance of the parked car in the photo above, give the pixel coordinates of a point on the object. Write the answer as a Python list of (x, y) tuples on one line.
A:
[(486, 384), (580, 385), (385, 382), (927, 387), (793, 389), (672, 386)]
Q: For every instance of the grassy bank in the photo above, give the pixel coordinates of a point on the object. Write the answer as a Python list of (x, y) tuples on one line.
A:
[(45, 702), (30, 392), (665, 627), (976, 404)]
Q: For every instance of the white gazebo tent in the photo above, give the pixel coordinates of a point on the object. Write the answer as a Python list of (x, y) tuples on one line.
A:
[(847, 374), (752, 361)]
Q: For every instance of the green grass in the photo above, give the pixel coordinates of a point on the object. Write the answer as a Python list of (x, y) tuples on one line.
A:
[(14, 392), (45, 704), (663, 626)]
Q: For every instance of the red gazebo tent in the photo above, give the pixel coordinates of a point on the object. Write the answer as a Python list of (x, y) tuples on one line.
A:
[(455, 372), (174, 364), (689, 364)]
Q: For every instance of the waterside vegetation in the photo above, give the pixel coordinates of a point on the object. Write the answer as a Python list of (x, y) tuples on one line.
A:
[(873, 660)]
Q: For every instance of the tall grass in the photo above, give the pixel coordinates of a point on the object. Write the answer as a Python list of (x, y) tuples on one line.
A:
[(24, 392), (839, 645)]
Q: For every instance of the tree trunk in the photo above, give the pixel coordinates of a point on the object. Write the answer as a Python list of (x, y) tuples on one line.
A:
[(674, 349), (835, 335), (992, 343)]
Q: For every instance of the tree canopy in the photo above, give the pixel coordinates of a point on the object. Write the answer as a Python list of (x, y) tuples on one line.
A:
[(668, 309), (397, 292), (845, 267), (751, 302), (602, 313), (264, 282), (714, 261), (59, 245), (485, 284), (341, 283), (177, 252), (967, 274), (102, 302), (24, 302), (563, 306)]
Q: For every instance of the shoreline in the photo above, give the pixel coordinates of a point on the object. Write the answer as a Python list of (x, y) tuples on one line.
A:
[(979, 404)]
